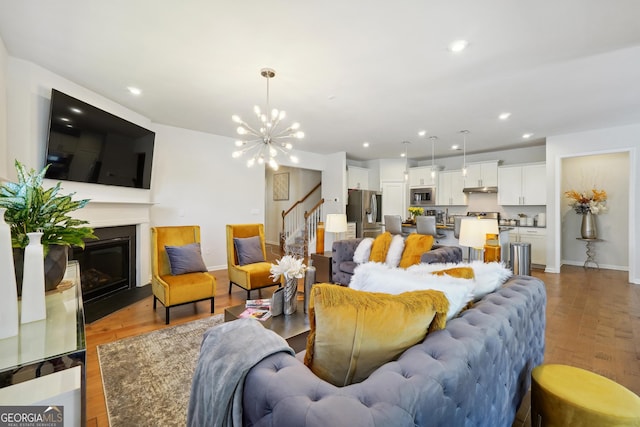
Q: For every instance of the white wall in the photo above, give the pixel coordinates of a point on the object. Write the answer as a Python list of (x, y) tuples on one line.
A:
[(583, 174), (596, 142), (4, 59), (194, 178), (189, 184), (28, 99), (334, 189), (197, 182)]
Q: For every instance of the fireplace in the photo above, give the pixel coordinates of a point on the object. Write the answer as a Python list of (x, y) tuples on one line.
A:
[(107, 265)]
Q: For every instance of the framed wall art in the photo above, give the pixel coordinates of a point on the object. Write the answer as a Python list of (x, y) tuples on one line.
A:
[(281, 186)]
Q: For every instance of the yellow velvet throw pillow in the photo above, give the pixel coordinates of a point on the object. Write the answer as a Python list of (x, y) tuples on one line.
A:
[(353, 333), (459, 272), (380, 247), (414, 246)]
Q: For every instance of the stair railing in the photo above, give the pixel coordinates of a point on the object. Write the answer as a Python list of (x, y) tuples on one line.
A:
[(311, 220), (294, 227)]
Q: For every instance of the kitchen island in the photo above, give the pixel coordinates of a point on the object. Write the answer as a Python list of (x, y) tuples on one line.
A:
[(448, 239)]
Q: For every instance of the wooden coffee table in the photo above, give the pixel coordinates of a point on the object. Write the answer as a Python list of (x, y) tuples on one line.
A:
[(294, 328)]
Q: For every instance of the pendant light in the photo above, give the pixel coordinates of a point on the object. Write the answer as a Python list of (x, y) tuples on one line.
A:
[(464, 151), (433, 151), (406, 161)]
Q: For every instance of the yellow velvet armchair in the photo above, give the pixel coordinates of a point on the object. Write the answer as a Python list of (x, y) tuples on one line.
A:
[(172, 290), (248, 276)]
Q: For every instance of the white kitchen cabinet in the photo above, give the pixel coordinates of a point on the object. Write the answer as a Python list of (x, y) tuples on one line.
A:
[(534, 185), (483, 174), (509, 185), (421, 177), (357, 178), (537, 237), (449, 191), (394, 198), (522, 185)]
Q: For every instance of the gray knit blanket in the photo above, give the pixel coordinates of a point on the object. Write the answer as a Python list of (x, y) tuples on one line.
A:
[(227, 353)]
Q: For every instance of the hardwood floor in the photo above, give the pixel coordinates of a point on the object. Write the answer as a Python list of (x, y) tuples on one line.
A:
[(593, 322)]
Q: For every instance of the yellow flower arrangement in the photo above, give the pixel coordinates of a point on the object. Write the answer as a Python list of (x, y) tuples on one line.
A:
[(596, 202), (415, 211)]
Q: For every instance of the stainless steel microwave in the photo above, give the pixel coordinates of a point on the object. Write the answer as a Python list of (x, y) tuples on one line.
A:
[(425, 196)]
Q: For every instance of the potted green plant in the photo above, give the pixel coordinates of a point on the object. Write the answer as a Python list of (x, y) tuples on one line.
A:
[(30, 207)]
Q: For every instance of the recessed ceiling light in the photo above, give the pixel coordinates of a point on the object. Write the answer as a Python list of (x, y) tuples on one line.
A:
[(365, 144), (504, 116), (422, 133), (455, 147), (458, 46), (134, 90), (527, 135)]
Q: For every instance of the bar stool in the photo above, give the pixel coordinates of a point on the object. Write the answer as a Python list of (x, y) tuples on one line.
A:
[(393, 224), (427, 225), (564, 395)]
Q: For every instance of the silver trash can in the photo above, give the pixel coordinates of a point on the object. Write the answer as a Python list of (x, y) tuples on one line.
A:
[(520, 256)]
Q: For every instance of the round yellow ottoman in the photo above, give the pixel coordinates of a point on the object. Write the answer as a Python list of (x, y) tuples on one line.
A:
[(567, 396)]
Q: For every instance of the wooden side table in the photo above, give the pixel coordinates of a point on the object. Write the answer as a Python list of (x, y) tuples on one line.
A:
[(591, 252), (322, 263)]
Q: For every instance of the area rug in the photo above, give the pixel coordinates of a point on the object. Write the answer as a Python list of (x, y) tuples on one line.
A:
[(147, 378)]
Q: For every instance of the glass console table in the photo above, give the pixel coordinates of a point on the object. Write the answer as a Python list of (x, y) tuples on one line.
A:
[(45, 363)]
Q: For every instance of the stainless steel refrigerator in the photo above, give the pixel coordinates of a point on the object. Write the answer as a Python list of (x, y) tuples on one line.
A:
[(364, 207)]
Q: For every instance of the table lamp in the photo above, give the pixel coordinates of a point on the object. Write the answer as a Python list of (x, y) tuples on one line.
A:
[(336, 223), (473, 233)]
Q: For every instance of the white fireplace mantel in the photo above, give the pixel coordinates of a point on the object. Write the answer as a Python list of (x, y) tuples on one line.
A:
[(116, 213)]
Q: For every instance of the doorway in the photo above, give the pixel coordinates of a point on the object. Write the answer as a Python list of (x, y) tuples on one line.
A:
[(608, 172)]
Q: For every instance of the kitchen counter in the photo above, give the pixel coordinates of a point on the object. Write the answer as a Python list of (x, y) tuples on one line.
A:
[(500, 228)]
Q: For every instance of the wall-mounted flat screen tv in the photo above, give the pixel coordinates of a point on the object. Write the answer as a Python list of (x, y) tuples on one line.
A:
[(87, 144)]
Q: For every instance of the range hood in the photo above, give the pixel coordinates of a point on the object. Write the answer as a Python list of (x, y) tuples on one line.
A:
[(480, 190)]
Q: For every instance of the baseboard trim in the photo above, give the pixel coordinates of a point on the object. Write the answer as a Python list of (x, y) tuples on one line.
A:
[(602, 266)]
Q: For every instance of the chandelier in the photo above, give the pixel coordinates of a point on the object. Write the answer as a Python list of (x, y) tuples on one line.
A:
[(270, 137)]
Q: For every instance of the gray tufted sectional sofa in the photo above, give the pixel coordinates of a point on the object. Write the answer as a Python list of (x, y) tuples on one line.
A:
[(342, 264), (474, 372)]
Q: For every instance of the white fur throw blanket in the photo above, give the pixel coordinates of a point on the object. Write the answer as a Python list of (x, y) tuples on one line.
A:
[(378, 277)]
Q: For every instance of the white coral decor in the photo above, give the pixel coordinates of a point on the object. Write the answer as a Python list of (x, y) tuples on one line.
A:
[(289, 267)]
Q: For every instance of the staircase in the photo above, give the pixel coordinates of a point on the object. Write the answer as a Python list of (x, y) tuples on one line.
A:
[(299, 226)]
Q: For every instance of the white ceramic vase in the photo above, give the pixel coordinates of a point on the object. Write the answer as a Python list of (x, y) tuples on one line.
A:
[(8, 290), (33, 303)]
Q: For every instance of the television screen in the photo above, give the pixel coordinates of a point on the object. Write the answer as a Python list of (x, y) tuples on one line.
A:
[(87, 144)]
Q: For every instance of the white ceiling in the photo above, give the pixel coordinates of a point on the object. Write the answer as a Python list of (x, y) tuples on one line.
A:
[(350, 71)]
